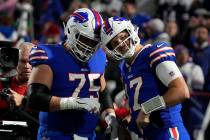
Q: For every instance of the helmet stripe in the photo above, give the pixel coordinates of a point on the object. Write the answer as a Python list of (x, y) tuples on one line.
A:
[(97, 19), (107, 27)]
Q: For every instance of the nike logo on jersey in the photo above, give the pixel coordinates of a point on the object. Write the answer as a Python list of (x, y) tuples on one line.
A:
[(130, 76), (84, 69), (160, 45)]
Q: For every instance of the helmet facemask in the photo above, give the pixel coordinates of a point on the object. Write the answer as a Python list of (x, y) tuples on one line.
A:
[(117, 51), (82, 46), (110, 29)]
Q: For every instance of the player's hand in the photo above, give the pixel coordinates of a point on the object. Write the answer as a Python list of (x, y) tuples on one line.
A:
[(111, 132), (91, 105), (142, 120), (15, 98)]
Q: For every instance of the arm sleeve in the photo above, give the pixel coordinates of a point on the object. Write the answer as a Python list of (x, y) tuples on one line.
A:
[(167, 71)]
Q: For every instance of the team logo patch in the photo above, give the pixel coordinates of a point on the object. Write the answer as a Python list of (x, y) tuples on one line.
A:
[(171, 73), (80, 17)]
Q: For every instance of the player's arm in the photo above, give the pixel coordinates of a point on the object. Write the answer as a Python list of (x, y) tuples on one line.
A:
[(177, 90), (107, 111), (41, 99), (105, 98), (170, 76), (39, 93), (162, 60)]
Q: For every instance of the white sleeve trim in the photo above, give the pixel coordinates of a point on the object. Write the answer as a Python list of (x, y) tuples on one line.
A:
[(167, 71)]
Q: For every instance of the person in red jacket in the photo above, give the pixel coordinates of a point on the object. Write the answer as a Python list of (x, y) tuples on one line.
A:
[(17, 83)]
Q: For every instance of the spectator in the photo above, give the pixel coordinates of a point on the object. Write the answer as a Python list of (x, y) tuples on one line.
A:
[(202, 15), (18, 83), (172, 29), (201, 56), (199, 17), (23, 72), (192, 73), (171, 10), (155, 31), (201, 53), (114, 8), (72, 6), (52, 33)]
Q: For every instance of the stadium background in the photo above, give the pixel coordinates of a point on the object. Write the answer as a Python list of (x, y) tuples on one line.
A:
[(184, 24)]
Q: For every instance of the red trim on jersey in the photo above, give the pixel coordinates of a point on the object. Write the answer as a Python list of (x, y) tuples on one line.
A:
[(174, 133)]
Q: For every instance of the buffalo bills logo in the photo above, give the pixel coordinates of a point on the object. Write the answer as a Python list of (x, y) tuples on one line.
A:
[(119, 18), (80, 17)]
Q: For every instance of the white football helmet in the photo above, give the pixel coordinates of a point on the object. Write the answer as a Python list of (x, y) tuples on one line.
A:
[(112, 27), (83, 33)]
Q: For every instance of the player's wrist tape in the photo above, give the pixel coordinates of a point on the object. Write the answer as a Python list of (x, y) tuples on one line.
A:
[(67, 103), (153, 104), (87, 104)]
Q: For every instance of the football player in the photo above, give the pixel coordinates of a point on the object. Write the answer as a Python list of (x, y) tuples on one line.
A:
[(153, 82), (66, 79)]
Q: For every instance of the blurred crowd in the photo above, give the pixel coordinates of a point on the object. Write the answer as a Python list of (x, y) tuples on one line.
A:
[(184, 24)]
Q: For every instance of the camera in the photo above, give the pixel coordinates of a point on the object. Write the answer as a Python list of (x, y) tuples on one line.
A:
[(8, 59), (8, 55), (8, 62)]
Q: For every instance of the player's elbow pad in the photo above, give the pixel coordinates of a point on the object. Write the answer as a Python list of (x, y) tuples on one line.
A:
[(105, 100), (39, 97)]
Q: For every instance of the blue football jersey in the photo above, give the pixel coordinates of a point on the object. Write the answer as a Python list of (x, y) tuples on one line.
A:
[(142, 83), (70, 78)]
